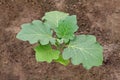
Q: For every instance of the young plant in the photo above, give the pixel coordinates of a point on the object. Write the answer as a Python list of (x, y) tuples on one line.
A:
[(57, 41)]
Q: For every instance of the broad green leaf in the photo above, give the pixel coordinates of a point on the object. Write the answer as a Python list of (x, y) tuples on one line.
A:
[(84, 49), (62, 61), (36, 31), (66, 28), (46, 53), (53, 18)]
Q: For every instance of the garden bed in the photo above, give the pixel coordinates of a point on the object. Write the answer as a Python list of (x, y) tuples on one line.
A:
[(17, 58)]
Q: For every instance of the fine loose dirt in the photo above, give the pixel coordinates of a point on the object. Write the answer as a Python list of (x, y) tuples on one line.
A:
[(97, 17)]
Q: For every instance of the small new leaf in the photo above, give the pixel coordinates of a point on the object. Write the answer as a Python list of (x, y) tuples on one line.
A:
[(46, 53), (84, 49), (62, 61), (36, 31), (53, 18), (66, 28)]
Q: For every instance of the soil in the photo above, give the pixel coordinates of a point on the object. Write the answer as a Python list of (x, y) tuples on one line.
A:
[(97, 17)]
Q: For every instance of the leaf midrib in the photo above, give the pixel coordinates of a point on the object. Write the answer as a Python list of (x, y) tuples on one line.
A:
[(81, 49)]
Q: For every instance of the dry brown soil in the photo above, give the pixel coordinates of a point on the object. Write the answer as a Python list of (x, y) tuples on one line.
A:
[(97, 17)]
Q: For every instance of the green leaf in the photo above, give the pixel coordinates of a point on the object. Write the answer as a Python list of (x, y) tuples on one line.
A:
[(46, 53), (36, 31), (66, 28), (84, 49), (62, 61), (60, 41), (53, 18)]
